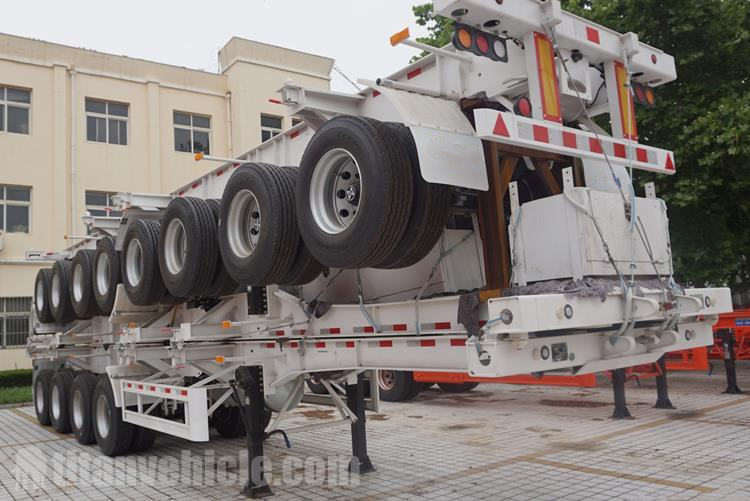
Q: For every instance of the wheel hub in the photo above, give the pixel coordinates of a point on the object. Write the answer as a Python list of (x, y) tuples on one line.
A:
[(335, 191)]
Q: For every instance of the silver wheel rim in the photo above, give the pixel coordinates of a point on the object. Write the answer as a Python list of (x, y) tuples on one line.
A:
[(386, 379), (175, 246), (78, 282), (77, 410), (134, 262), (55, 403), (335, 191), (102, 274), (39, 396), (39, 296), (243, 223), (102, 416), (55, 291)]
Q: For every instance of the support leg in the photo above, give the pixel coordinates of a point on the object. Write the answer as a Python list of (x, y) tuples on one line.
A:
[(662, 395), (727, 341), (251, 379), (618, 385), (355, 399)]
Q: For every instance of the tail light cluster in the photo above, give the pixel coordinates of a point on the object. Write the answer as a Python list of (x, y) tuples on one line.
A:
[(644, 95), (480, 43)]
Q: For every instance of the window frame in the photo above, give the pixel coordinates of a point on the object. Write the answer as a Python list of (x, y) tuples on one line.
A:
[(18, 203), (4, 103), (272, 130), (6, 314), (107, 116), (192, 128), (107, 208)]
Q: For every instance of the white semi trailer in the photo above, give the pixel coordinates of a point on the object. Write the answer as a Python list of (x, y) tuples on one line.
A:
[(463, 214)]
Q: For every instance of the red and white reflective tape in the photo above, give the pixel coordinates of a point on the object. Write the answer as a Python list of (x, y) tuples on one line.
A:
[(435, 326), (508, 128), (330, 330), (151, 388)]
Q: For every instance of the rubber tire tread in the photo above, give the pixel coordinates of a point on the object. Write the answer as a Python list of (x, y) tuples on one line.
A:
[(43, 382), (232, 426), (151, 289), (107, 301), (383, 210), (117, 441), (63, 313), (44, 315), (143, 439), (429, 213), (222, 284), (403, 388), (273, 256), (63, 379), (201, 252), (305, 268), (87, 307), (85, 384), (457, 387)]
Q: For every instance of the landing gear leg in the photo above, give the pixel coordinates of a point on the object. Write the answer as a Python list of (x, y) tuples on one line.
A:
[(727, 341), (618, 385), (251, 380), (662, 395), (355, 400)]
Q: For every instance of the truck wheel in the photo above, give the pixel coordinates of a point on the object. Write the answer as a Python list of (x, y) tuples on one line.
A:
[(429, 211), (222, 284), (59, 400), (397, 386), (81, 419), (305, 268), (143, 439), (139, 265), (41, 296), (187, 247), (106, 274), (354, 192), (59, 293), (228, 421), (257, 231), (82, 285), (42, 385), (457, 387), (113, 435), (316, 388)]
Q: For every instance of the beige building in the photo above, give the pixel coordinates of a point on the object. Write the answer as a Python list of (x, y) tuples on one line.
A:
[(77, 126)]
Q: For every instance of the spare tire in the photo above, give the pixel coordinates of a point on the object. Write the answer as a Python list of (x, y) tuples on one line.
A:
[(305, 268), (82, 285), (187, 247), (354, 192), (139, 265), (106, 274), (429, 211), (222, 284), (59, 292), (41, 296), (255, 253)]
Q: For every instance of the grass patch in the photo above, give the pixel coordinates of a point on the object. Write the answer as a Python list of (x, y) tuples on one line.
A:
[(15, 395)]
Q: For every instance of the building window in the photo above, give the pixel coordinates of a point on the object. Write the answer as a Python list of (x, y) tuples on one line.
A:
[(106, 122), (270, 126), (15, 320), (15, 205), (99, 203), (15, 105), (191, 132)]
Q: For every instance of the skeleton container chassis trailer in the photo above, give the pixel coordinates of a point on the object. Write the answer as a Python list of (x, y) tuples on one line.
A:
[(384, 246)]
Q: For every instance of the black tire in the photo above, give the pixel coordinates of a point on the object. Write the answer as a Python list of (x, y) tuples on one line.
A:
[(146, 286), (222, 284), (81, 418), (228, 421), (143, 439), (82, 285), (42, 385), (316, 388), (59, 410), (457, 387), (60, 305), (429, 211), (403, 386), (383, 208), (106, 274), (41, 296), (119, 434), (305, 268), (277, 237), (187, 247)]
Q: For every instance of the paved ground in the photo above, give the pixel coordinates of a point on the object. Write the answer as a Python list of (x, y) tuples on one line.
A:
[(497, 442)]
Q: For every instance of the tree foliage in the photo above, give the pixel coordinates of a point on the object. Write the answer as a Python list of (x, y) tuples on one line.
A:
[(704, 117)]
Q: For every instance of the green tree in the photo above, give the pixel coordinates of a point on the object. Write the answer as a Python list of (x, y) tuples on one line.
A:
[(704, 117)]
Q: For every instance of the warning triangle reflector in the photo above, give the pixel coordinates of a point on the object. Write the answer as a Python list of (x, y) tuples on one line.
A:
[(500, 128), (670, 164)]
